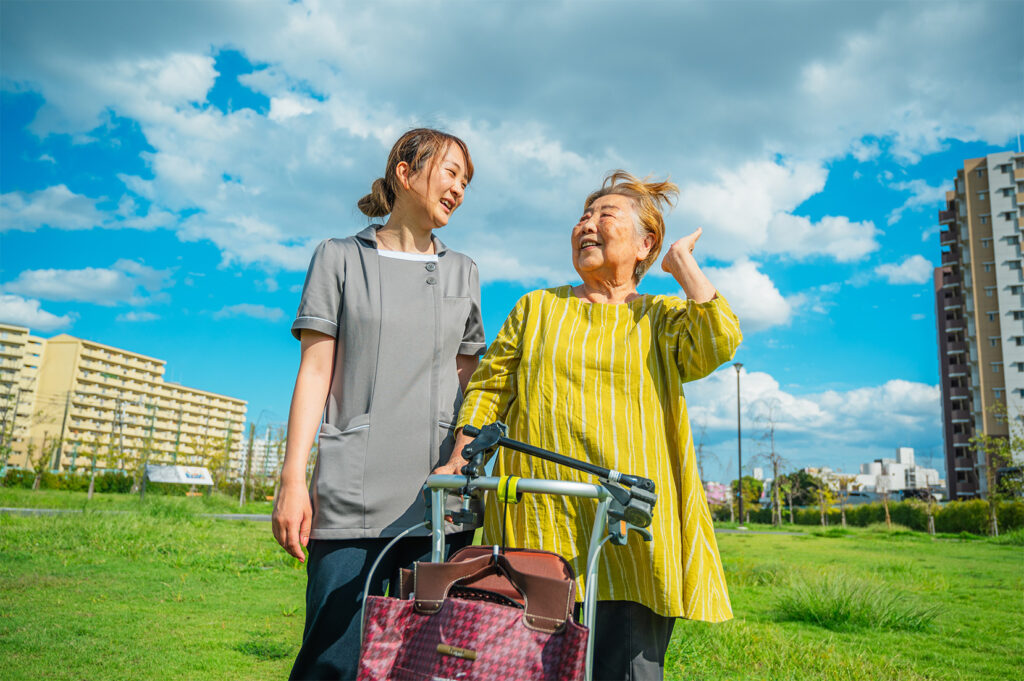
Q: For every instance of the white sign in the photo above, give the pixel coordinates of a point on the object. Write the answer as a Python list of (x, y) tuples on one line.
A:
[(182, 475)]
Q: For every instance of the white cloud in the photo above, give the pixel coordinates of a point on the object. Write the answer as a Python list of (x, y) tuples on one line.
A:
[(27, 312), (137, 316), (810, 426), (913, 270), (749, 140), (748, 211), (752, 295), (126, 281), (56, 207), (270, 314), (922, 195)]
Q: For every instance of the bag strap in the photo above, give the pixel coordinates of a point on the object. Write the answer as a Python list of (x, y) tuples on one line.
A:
[(548, 601)]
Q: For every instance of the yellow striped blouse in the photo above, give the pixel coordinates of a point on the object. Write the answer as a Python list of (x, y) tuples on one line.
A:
[(604, 383)]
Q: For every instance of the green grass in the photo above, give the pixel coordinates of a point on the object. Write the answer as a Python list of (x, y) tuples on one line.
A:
[(840, 602), (48, 498), (961, 604), (161, 592)]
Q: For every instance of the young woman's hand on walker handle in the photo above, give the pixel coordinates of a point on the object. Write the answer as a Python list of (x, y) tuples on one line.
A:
[(293, 512)]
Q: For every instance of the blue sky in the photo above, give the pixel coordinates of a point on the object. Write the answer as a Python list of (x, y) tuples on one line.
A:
[(166, 171)]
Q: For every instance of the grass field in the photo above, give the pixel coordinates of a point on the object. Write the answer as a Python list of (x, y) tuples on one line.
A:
[(159, 592)]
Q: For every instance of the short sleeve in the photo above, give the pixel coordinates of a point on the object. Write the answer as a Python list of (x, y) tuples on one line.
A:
[(320, 305), (473, 342)]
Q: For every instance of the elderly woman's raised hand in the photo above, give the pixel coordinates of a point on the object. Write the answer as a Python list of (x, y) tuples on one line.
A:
[(680, 263)]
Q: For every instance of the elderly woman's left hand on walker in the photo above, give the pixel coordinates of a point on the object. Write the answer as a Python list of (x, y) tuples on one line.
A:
[(455, 462)]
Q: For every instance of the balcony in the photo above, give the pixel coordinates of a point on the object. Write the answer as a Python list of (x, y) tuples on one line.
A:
[(947, 237), (947, 216), (950, 302), (959, 415), (956, 348), (961, 439), (954, 324), (950, 279), (951, 258), (1018, 174)]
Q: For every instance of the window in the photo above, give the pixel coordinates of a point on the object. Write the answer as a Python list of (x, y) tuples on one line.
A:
[(1005, 168), (981, 172), (989, 290), (1013, 264), (1013, 238), (993, 341), (997, 393), (1019, 340), (996, 367), (1020, 392), (1007, 191), (987, 266), (992, 316), (986, 243), (1017, 288), (982, 196), (984, 221), (1018, 314)]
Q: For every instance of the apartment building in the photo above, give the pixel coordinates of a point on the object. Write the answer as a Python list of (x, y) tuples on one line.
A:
[(979, 301), (93, 400), (20, 356)]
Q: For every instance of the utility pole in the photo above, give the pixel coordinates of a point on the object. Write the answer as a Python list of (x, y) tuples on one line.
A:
[(177, 438), (739, 443), (8, 437), (146, 449), (120, 434), (59, 454), (248, 464)]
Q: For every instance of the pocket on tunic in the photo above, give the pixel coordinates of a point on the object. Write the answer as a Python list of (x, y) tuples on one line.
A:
[(454, 314), (341, 462), (445, 439)]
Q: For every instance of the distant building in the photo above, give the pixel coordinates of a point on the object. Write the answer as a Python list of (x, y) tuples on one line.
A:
[(758, 473), (83, 398), (889, 475), (979, 310)]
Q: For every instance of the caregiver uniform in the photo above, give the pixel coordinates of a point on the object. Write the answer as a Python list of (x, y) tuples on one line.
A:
[(399, 321)]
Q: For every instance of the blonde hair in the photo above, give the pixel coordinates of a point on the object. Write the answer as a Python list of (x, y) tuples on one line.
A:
[(416, 147), (648, 199)]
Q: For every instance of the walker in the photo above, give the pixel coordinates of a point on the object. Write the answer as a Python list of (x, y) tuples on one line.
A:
[(625, 503)]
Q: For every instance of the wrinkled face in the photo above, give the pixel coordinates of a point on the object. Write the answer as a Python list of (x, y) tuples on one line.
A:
[(605, 242), (439, 186)]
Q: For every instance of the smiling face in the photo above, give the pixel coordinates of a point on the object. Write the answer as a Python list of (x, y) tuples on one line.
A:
[(438, 188), (605, 244)]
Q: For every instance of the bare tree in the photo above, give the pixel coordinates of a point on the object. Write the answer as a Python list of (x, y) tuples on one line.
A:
[(847, 484), (882, 488), (767, 414)]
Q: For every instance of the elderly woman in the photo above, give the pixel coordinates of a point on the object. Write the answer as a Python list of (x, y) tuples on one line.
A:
[(596, 372)]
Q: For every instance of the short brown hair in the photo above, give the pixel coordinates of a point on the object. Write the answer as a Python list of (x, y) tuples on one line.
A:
[(648, 200), (415, 147)]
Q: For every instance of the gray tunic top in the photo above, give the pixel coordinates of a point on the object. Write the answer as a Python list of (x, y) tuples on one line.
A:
[(395, 392)]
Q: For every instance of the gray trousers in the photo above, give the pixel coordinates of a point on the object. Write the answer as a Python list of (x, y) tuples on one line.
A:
[(630, 644)]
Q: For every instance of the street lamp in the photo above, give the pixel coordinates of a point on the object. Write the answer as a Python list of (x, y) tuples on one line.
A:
[(739, 442)]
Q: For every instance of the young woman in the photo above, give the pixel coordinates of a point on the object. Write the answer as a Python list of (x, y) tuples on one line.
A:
[(390, 328)]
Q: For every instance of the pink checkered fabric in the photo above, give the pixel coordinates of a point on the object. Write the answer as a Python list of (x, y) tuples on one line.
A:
[(400, 644)]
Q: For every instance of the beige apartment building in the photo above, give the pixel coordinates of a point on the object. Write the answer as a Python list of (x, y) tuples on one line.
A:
[(77, 399), (979, 300)]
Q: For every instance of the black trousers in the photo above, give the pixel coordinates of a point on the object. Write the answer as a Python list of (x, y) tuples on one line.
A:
[(336, 574), (630, 642)]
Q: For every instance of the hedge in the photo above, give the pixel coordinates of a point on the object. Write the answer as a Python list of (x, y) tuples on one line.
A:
[(953, 517), (115, 482)]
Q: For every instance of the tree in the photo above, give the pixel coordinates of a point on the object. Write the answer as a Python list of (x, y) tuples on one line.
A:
[(1001, 455), (847, 484), (785, 486), (768, 415), (752, 488), (882, 488), (825, 500), (805, 487)]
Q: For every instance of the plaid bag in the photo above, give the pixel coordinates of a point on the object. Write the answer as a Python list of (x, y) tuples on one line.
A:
[(480, 616)]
